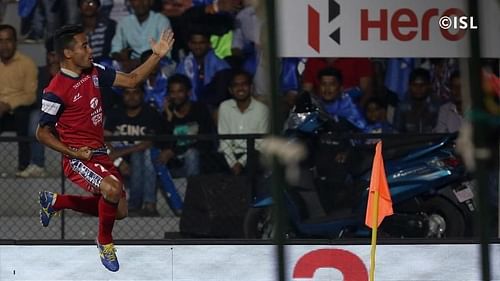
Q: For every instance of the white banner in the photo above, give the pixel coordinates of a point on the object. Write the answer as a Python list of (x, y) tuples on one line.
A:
[(385, 28), (248, 263)]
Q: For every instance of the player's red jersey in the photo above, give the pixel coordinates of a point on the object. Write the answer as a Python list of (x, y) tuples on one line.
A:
[(74, 105)]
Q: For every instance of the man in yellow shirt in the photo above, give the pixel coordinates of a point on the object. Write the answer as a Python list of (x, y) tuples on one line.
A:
[(18, 83)]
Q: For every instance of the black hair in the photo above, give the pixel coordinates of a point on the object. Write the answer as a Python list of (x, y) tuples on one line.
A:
[(421, 73), (97, 1), (240, 72), (64, 37), (180, 79), (196, 30), (380, 102), (330, 71), (9, 27)]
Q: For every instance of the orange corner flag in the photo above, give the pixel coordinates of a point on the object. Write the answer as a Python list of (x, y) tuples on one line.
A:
[(378, 187)]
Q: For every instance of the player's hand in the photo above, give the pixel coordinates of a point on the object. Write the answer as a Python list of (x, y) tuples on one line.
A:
[(82, 153), (164, 44)]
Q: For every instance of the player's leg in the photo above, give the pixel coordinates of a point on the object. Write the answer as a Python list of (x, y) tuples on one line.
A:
[(112, 205), (52, 202)]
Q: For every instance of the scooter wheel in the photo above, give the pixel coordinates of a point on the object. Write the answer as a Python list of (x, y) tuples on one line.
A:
[(445, 220)]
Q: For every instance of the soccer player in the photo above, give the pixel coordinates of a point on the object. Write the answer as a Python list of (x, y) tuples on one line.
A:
[(71, 122)]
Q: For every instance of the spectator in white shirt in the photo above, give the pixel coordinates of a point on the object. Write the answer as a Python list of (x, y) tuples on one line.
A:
[(450, 116), (242, 114)]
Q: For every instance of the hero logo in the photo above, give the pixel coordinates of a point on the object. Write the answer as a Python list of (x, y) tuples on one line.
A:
[(350, 265), (313, 24), (405, 24), (94, 102)]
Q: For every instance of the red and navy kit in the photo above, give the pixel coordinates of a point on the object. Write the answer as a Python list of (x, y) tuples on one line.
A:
[(73, 105)]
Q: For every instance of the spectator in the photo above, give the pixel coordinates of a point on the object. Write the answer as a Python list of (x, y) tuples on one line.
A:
[(246, 39), (356, 72), (450, 115), (185, 117), (203, 67), (135, 119), (337, 103), (376, 116), (155, 87), (212, 17), (36, 167), (48, 15), (18, 82), (418, 114), (100, 31), (44, 19), (240, 115), (134, 32)]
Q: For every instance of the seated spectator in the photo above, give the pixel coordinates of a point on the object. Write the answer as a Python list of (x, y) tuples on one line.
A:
[(336, 102), (203, 68), (99, 30), (134, 158), (212, 17), (242, 114), (356, 72), (134, 32), (18, 82), (45, 74), (418, 114), (376, 116), (155, 87), (450, 115), (185, 117)]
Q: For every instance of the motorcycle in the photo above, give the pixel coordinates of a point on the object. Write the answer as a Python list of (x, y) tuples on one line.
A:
[(431, 191)]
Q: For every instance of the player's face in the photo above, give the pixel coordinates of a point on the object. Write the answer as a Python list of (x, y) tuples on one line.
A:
[(329, 88), (81, 53), (178, 94), (7, 44), (240, 88)]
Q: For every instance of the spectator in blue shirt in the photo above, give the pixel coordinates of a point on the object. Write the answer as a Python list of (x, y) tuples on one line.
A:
[(336, 102), (155, 86), (203, 68), (134, 32)]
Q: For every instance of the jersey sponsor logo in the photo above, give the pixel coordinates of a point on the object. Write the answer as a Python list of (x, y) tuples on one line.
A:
[(96, 116), (85, 172), (50, 107), (95, 80), (77, 97), (94, 102), (83, 80)]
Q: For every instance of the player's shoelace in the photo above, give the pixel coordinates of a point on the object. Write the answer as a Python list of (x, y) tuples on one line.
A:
[(108, 252)]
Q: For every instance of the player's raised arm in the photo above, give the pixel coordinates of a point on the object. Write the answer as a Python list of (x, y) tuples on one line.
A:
[(160, 48)]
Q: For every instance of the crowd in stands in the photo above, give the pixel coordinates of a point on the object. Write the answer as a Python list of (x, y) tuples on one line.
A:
[(213, 81)]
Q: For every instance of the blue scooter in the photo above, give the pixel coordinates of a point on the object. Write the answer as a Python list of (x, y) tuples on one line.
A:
[(431, 192)]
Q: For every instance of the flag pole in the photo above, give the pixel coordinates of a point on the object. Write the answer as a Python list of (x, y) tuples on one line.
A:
[(374, 237)]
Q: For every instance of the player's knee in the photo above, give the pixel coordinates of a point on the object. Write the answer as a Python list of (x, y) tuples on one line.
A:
[(111, 189), (121, 214)]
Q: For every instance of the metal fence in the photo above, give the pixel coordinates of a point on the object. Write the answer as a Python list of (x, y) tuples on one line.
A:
[(220, 200), (19, 219)]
